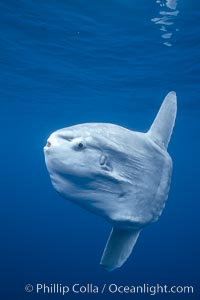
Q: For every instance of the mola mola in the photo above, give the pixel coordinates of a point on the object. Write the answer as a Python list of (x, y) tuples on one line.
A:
[(122, 175)]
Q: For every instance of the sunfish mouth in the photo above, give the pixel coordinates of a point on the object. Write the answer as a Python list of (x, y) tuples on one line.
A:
[(52, 141), (48, 144)]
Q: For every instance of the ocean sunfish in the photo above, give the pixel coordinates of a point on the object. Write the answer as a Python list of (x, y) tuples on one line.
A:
[(119, 174)]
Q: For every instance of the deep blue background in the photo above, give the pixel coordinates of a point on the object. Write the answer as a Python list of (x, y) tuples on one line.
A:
[(68, 62)]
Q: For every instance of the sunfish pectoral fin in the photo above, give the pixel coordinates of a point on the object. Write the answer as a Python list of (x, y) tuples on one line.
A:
[(119, 247), (162, 127)]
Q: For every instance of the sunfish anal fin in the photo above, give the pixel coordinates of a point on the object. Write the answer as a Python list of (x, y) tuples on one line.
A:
[(162, 126), (119, 247)]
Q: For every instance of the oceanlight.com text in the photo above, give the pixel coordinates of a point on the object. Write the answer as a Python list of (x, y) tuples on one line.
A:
[(113, 288)]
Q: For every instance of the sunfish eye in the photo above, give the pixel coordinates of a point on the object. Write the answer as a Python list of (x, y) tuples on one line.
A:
[(80, 145)]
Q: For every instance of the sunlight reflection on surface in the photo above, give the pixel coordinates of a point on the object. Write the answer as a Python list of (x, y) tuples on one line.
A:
[(167, 13)]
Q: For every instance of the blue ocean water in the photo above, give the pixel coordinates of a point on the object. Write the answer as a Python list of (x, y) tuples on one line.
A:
[(69, 62)]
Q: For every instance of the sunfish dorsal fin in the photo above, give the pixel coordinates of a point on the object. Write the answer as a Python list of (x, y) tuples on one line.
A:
[(162, 126), (119, 247)]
